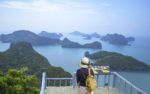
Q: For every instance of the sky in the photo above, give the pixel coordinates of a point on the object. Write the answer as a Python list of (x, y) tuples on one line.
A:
[(129, 17)]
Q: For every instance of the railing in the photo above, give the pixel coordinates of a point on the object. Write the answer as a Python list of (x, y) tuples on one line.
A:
[(111, 80), (58, 82), (125, 86)]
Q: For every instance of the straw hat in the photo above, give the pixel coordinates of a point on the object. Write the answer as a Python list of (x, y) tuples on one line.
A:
[(85, 62)]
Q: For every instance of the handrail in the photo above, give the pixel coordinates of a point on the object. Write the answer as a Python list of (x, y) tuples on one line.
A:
[(59, 78), (128, 82), (43, 83), (74, 84)]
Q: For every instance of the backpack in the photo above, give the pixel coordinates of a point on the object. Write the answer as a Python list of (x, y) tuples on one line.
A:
[(91, 83)]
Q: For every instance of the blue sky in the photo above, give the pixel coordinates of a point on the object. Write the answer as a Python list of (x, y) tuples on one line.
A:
[(131, 17)]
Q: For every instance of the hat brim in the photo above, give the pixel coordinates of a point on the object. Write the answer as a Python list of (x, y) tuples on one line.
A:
[(83, 66)]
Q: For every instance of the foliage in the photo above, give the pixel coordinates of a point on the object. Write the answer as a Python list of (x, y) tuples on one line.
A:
[(18, 82)]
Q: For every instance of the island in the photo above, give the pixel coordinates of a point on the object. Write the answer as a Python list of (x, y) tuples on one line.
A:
[(28, 36), (21, 54), (117, 39), (66, 43), (95, 35), (92, 35), (130, 39), (86, 36), (50, 35), (77, 33), (118, 62)]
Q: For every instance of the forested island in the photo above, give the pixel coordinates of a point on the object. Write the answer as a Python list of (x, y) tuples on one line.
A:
[(118, 62), (28, 36), (21, 54), (46, 38), (66, 43), (117, 39)]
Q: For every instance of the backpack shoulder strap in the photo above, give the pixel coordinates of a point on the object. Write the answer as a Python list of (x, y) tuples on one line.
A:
[(89, 70)]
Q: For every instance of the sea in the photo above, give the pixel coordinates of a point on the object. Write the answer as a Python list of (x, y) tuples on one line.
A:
[(69, 58)]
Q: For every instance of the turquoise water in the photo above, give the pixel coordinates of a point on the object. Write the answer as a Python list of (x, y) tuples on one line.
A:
[(69, 58), (3, 46)]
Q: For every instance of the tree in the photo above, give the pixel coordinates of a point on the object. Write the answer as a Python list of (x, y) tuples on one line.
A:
[(18, 82)]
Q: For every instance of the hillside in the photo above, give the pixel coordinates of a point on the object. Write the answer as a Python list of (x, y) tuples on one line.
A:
[(66, 43), (21, 54), (28, 36), (118, 61)]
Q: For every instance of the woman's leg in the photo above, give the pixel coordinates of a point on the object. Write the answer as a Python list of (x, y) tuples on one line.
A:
[(82, 90)]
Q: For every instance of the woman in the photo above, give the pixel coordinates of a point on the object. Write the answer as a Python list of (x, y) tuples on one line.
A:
[(82, 74)]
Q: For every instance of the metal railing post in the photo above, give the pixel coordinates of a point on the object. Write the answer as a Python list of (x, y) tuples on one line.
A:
[(97, 80), (43, 86), (74, 80), (114, 80)]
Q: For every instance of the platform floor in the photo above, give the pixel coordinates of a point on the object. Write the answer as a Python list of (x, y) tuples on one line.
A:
[(70, 90)]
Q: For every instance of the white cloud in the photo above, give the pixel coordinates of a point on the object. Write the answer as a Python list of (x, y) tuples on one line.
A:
[(41, 5), (46, 6)]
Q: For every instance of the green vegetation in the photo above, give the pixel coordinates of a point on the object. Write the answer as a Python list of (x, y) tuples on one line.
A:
[(21, 54), (18, 82), (118, 61)]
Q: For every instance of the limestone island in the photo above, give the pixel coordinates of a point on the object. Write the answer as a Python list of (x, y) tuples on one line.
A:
[(117, 39), (27, 36), (66, 43), (118, 62)]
